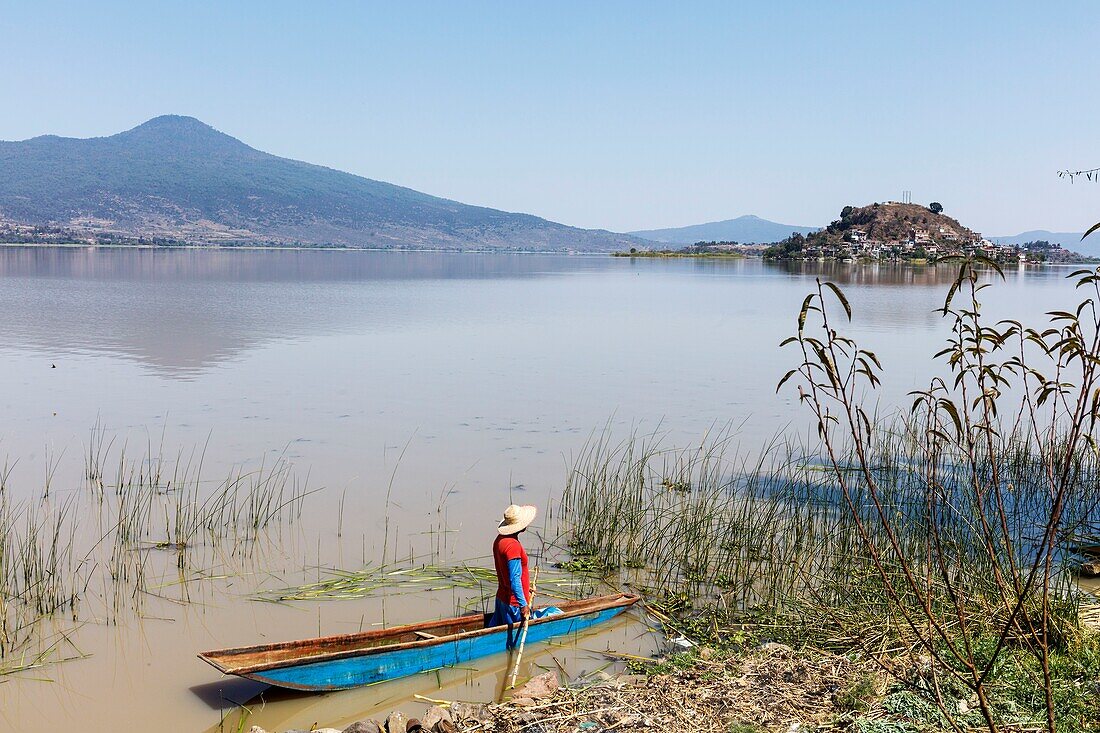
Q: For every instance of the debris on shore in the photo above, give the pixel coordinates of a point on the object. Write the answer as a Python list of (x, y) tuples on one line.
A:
[(772, 688)]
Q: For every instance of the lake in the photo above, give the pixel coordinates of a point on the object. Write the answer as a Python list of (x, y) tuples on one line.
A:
[(415, 395)]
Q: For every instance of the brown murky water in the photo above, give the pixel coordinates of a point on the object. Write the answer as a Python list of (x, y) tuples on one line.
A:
[(419, 392)]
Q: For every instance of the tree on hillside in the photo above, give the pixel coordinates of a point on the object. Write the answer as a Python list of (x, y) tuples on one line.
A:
[(846, 211), (936, 207)]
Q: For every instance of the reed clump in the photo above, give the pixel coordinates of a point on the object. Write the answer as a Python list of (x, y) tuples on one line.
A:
[(99, 546)]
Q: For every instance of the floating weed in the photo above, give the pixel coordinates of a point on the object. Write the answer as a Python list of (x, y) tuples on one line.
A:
[(586, 564), (395, 580)]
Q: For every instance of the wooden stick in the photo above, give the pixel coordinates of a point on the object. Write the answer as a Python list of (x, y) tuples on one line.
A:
[(523, 632)]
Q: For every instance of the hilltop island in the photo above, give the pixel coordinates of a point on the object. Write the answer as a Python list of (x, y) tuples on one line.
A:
[(881, 232), (893, 231)]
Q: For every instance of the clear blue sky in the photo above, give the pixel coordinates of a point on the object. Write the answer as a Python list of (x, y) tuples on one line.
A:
[(603, 114)]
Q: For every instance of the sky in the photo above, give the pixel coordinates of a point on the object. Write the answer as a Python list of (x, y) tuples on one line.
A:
[(616, 115)]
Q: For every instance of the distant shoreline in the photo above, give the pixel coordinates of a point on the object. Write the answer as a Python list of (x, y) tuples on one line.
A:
[(293, 247), (398, 250), (689, 255)]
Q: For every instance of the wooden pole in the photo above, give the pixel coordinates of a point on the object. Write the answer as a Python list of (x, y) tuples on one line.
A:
[(523, 632)]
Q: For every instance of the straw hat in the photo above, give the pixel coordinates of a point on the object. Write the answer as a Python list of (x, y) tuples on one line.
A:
[(516, 518)]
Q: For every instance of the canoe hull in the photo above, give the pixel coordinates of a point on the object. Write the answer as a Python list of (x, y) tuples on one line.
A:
[(342, 674)]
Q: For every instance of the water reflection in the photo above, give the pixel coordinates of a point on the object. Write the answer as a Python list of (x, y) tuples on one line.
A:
[(275, 265), (182, 311)]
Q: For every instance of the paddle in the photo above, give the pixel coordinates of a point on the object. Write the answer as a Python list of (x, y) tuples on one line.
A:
[(523, 631)]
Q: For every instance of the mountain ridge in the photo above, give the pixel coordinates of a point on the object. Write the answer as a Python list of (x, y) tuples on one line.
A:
[(175, 177), (746, 229), (1069, 240)]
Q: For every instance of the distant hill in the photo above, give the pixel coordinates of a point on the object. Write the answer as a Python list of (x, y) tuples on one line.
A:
[(887, 230), (176, 178), (1069, 240), (898, 222), (744, 229)]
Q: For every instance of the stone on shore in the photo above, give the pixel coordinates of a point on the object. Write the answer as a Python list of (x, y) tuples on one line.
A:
[(364, 726), (397, 722), (1090, 569), (462, 711), (539, 688), (433, 715)]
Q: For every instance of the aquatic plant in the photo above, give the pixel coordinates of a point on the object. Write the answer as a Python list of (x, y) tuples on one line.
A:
[(99, 545), (476, 583)]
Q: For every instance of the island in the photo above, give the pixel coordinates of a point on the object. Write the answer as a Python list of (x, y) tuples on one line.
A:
[(907, 232)]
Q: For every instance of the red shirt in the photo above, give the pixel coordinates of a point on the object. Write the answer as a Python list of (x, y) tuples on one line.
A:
[(504, 549)]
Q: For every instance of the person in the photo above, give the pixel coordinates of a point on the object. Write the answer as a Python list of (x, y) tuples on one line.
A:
[(513, 582)]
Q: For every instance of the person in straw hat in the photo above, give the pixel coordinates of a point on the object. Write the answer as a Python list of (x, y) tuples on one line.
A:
[(513, 582)]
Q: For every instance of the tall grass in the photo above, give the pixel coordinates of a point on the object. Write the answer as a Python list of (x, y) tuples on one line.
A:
[(774, 533), (98, 544)]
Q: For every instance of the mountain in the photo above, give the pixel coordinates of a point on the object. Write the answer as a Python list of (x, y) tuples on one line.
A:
[(1069, 240), (744, 229), (177, 178)]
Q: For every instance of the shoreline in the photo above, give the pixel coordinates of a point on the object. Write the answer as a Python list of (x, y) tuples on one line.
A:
[(293, 248), (69, 246)]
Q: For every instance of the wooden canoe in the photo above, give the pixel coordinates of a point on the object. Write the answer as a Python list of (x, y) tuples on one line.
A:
[(351, 660)]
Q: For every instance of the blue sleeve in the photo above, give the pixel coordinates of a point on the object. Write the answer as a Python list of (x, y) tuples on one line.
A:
[(515, 577)]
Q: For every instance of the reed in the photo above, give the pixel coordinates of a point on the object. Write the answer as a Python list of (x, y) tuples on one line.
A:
[(100, 546)]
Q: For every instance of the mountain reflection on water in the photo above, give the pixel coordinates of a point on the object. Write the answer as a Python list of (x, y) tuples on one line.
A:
[(180, 311)]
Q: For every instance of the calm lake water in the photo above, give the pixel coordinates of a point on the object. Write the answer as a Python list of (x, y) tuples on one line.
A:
[(453, 383)]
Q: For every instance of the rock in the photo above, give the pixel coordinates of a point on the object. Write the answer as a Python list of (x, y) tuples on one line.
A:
[(433, 716), (1090, 569), (705, 652), (538, 688), (444, 726), (414, 726), (364, 726), (397, 722), (257, 729), (522, 702), (461, 711)]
